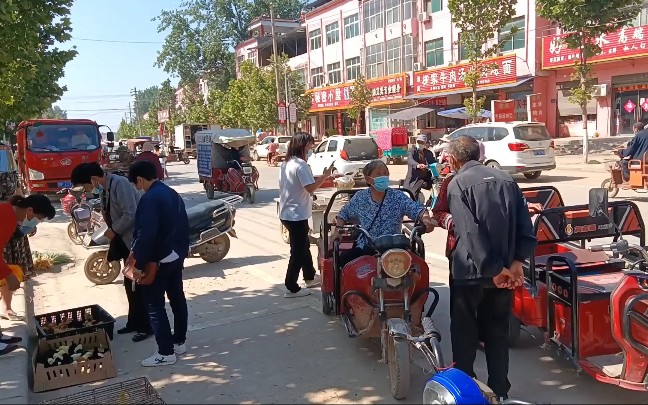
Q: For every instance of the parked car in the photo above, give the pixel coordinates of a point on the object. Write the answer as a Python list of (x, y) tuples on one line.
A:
[(261, 149), (516, 147), (350, 154)]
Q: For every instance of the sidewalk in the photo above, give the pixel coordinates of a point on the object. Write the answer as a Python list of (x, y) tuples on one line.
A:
[(575, 162), (15, 371)]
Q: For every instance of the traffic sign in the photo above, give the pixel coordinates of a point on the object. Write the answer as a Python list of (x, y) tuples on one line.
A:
[(281, 115), (292, 113)]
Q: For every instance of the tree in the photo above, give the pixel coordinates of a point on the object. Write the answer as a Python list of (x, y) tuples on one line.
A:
[(361, 97), (586, 23), (146, 100), (479, 22), (30, 61), (55, 112)]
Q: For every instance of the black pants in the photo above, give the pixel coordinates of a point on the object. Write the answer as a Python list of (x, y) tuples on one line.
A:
[(481, 311), (347, 256), (300, 255), (138, 319), (624, 169)]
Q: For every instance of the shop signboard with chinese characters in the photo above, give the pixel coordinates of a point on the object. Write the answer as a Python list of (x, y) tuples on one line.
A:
[(281, 113), (331, 98), (535, 108), (630, 42), (503, 110), (435, 102), (451, 78), (388, 89)]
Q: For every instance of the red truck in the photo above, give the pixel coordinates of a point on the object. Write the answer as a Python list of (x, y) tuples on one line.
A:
[(49, 149)]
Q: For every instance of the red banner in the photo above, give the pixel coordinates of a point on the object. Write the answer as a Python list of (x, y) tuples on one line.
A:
[(388, 89), (535, 108), (332, 98), (451, 78), (625, 43), (503, 110)]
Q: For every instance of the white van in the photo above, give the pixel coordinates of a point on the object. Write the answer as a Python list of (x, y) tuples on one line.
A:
[(516, 147)]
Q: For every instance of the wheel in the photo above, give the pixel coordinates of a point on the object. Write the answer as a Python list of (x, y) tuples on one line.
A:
[(215, 250), (285, 236), (327, 303), (186, 161), (209, 188), (255, 156), (435, 347), (73, 234), (250, 194), (98, 271), (515, 327), (494, 165), (532, 175), (612, 189), (398, 358)]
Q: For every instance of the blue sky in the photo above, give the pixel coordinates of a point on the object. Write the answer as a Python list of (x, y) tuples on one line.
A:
[(101, 76)]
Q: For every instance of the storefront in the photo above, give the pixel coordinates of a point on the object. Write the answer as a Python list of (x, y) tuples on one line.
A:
[(621, 72), (388, 96), (329, 108)]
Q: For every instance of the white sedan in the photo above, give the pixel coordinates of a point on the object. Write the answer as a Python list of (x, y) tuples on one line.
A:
[(261, 149)]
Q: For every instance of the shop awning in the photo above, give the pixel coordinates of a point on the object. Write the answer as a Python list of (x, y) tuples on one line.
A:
[(450, 93), (460, 113), (411, 113)]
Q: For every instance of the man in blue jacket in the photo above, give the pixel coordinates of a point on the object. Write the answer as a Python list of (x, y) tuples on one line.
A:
[(161, 236)]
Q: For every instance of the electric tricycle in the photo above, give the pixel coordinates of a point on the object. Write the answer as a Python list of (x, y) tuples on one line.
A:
[(382, 295), (592, 305)]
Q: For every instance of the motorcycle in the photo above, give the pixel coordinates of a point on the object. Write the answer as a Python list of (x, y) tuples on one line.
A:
[(438, 175), (211, 224), (638, 181), (85, 215)]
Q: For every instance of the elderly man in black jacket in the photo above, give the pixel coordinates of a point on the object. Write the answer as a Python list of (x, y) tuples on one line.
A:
[(418, 159), (494, 236)]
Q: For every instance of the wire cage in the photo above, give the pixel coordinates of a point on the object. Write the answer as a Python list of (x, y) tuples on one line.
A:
[(135, 391)]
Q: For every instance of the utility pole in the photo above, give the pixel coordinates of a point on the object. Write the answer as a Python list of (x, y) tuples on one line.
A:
[(275, 57), (137, 114), (130, 113)]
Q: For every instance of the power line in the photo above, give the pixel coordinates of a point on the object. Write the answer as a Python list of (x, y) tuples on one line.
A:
[(115, 41)]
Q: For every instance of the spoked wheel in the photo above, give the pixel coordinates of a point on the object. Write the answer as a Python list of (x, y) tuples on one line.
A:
[(612, 189), (285, 235), (99, 271), (327, 303), (73, 234), (215, 250), (250, 194), (398, 358)]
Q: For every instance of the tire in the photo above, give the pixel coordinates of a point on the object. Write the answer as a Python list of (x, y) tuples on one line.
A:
[(215, 250), (532, 175), (186, 161), (327, 303), (398, 360), (250, 194), (515, 329), (285, 236), (255, 156), (611, 188), (73, 234), (493, 164), (99, 272), (209, 188)]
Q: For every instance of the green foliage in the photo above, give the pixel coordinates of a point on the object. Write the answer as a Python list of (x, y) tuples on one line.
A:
[(30, 62), (54, 112), (146, 100), (361, 97), (131, 129), (479, 22)]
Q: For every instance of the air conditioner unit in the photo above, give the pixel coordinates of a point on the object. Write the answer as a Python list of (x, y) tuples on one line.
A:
[(600, 90), (417, 67), (423, 17)]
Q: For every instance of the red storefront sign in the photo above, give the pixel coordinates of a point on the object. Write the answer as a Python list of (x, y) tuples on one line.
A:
[(451, 78), (388, 89), (644, 105), (436, 101), (503, 110), (332, 98), (281, 113), (535, 108), (624, 43)]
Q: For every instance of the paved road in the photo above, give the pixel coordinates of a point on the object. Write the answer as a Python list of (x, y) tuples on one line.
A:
[(247, 344)]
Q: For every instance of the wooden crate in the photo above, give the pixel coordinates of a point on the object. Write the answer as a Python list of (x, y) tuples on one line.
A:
[(51, 378)]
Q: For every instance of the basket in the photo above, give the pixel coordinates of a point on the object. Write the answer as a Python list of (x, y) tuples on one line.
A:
[(104, 320), (135, 391)]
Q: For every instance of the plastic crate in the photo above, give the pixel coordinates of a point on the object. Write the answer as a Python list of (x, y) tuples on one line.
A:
[(135, 391), (104, 320)]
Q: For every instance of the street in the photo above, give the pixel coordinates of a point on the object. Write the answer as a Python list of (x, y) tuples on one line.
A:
[(248, 344)]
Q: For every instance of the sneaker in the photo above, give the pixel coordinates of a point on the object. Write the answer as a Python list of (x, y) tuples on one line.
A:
[(317, 280), (180, 349), (158, 360), (301, 293)]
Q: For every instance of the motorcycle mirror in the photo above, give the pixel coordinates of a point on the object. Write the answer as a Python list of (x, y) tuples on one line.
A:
[(598, 202), (110, 136)]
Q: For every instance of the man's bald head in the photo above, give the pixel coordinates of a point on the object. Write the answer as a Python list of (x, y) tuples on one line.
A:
[(463, 149)]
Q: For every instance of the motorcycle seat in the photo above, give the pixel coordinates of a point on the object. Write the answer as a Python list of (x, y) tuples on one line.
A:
[(386, 242), (202, 213)]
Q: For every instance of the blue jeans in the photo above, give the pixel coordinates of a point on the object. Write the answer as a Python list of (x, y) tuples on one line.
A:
[(167, 280)]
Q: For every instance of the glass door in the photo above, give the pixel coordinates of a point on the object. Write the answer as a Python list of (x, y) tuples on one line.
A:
[(630, 107)]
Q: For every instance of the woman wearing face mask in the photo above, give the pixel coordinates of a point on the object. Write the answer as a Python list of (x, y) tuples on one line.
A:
[(418, 174), (296, 183), (379, 209), (27, 214)]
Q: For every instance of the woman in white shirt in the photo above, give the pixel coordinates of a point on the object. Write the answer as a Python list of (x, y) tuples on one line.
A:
[(296, 183)]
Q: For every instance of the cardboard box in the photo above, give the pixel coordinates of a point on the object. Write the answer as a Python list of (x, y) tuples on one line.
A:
[(51, 378)]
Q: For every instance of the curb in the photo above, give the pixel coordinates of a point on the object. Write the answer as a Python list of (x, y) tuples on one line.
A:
[(15, 372)]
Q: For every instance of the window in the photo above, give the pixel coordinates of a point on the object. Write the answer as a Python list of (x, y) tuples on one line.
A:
[(373, 18), (463, 53), (409, 54), (351, 26), (300, 74), (352, 68), (407, 9), (393, 56), (315, 39), (374, 61), (433, 6), (332, 146), (332, 33), (498, 134), (434, 52), (531, 133), (641, 18), (334, 73), (317, 77), (240, 59), (320, 148), (392, 11), (514, 41)]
